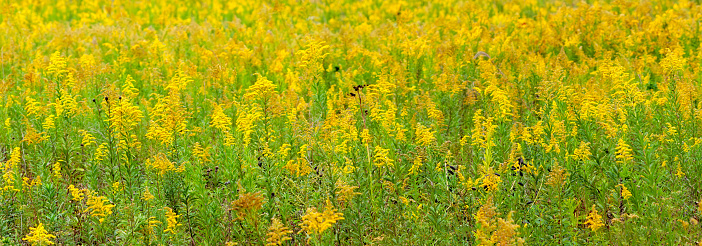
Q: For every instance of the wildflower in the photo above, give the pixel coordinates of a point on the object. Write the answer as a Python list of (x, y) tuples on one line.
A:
[(76, 194), (416, 165), (381, 157), (15, 158), (491, 230), (88, 139), (203, 154), (32, 136), (161, 163), (57, 65), (151, 225), (423, 135), (491, 182), (365, 137), (506, 232), (483, 130), (147, 196), (39, 236), (116, 187), (31, 106), (501, 98), (169, 116), (246, 121), (57, 170), (679, 173), (9, 168), (557, 176), (128, 90), (623, 153), (98, 206), (624, 192), (583, 151), (277, 233), (124, 116), (345, 192), (310, 59), (263, 88), (100, 152), (247, 203), (171, 219), (673, 60), (65, 105), (594, 220), (315, 222), (220, 120), (49, 123), (35, 182)]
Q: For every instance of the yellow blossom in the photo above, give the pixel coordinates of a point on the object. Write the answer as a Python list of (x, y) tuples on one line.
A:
[(315, 222), (39, 236), (277, 233), (624, 192), (98, 206), (594, 220), (381, 157), (623, 153), (147, 196), (75, 193), (171, 219)]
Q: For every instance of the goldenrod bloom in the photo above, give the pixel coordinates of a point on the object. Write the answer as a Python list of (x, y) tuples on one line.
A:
[(39, 236)]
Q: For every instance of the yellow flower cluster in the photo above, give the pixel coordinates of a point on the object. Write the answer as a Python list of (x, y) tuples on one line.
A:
[(315, 222), (98, 206), (623, 153), (492, 230), (38, 236), (9, 170), (594, 220), (248, 203), (277, 233), (542, 104), (172, 220), (160, 163)]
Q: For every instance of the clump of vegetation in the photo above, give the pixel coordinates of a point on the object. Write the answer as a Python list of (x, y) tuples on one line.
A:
[(350, 122)]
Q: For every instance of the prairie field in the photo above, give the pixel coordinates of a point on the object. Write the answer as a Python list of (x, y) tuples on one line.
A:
[(342, 122)]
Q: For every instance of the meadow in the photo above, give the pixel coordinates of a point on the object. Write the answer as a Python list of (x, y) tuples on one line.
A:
[(340, 122)]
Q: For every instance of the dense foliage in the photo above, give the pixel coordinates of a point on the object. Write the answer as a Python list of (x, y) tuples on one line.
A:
[(350, 122)]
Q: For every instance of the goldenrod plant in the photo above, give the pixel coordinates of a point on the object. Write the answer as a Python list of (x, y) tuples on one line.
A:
[(279, 122)]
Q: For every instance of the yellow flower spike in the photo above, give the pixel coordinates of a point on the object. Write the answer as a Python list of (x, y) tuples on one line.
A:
[(39, 236), (558, 175), (49, 123), (247, 204), (160, 163), (424, 136), (263, 88), (315, 222), (101, 152), (381, 157), (220, 120), (57, 170), (345, 192), (76, 194), (625, 193), (623, 153), (172, 220), (147, 196), (277, 233), (594, 220), (98, 206)]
